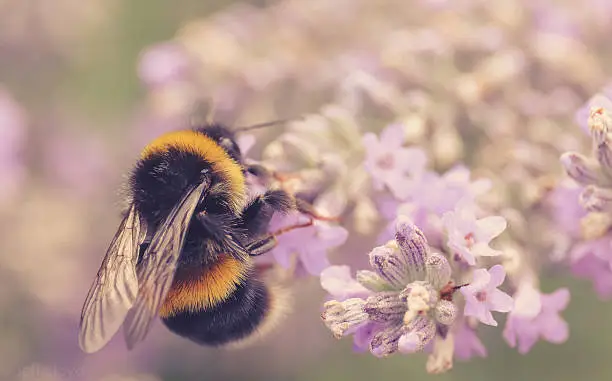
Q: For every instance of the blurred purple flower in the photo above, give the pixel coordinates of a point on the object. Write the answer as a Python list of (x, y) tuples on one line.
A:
[(482, 295), (468, 236), (440, 193), (309, 245), (524, 329), (13, 135), (340, 284), (593, 260), (163, 64), (389, 163), (566, 209), (467, 344), (78, 163), (246, 142), (430, 196), (602, 99), (555, 20)]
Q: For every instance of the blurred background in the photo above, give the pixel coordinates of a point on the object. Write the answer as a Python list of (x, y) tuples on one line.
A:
[(84, 84)]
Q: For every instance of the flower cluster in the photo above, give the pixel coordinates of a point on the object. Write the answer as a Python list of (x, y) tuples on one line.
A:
[(407, 302), (589, 200)]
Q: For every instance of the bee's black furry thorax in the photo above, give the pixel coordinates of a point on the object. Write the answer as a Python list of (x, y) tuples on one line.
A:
[(159, 181)]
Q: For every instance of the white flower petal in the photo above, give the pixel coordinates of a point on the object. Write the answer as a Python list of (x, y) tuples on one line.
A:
[(500, 301), (490, 227)]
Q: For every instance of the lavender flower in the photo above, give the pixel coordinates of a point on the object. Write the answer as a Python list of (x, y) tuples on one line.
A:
[(482, 295), (467, 343), (600, 100), (163, 64), (468, 236), (593, 260), (389, 163), (409, 303), (429, 197), (13, 138), (537, 318), (339, 283), (566, 208), (305, 248)]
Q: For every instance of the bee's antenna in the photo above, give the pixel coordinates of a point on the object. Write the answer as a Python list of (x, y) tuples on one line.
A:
[(262, 125)]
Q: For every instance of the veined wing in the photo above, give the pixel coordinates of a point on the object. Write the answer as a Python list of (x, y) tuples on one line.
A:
[(156, 271), (116, 285)]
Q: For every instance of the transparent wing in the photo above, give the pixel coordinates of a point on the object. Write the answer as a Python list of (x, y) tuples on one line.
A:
[(115, 288), (156, 271)]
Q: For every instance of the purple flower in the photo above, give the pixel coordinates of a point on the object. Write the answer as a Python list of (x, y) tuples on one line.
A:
[(308, 245), (162, 64), (406, 302), (83, 175), (389, 162), (593, 260), (339, 283), (523, 329), (441, 193), (566, 209), (467, 343), (602, 99), (13, 134), (482, 295), (246, 142), (468, 236), (430, 196)]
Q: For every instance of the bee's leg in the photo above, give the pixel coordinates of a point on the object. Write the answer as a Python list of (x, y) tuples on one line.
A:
[(262, 246), (301, 205), (269, 241), (308, 209), (257, 214)]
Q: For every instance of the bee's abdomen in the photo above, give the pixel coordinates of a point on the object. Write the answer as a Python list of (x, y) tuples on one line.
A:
[(204, 286), (234, 319)]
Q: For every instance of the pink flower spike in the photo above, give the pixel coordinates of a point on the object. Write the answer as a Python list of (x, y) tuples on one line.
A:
[(482, 295), (468, 236)]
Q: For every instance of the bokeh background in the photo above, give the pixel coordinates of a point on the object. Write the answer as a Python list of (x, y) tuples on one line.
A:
[(84, 84)]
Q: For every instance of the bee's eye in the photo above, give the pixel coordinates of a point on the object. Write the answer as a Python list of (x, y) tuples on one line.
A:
[(204, 173)]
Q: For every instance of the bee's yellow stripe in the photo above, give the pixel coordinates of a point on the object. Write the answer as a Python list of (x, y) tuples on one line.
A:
[(195, 291), (206, 148)]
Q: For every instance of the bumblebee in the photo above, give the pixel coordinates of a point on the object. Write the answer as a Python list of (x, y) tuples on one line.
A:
[(183, 249)]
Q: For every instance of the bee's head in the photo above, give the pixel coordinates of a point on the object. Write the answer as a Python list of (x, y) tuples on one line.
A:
[(176, 161), (159, 181)]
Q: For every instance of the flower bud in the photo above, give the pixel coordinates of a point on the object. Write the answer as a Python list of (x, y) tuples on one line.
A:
[(343, 317), (596, 199), (579, 168), (413, 246), (438, 270)]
